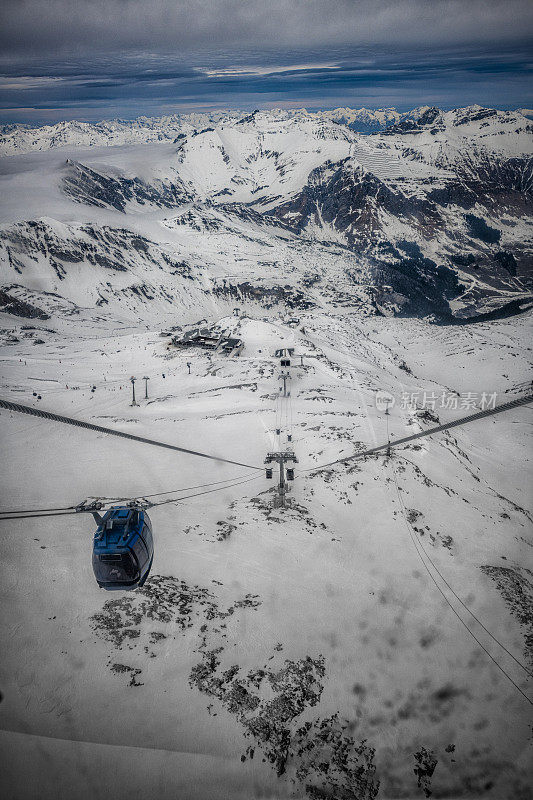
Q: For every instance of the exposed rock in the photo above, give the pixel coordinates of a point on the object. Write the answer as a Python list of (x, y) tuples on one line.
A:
[(12, 305), (516, 587), (85, 185)]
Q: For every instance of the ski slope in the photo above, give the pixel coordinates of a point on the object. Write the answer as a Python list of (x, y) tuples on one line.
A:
[(379, 623), (333, 576)]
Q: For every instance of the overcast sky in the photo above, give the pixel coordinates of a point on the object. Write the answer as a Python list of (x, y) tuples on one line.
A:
[(99, 59)]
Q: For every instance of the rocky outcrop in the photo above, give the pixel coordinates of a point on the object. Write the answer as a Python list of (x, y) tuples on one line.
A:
[(12, 305), (353, 201), (85, 185)]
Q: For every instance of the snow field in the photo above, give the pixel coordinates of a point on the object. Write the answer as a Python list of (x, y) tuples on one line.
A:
[(335, 574)]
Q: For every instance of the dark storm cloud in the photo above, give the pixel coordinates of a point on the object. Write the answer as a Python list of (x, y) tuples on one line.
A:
[(96, 59), (43, 26)]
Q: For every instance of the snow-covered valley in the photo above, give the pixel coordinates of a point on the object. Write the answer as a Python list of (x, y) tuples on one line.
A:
[(315, 650)]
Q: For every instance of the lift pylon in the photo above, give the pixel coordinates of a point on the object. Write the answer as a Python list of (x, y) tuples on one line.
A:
[(285, 376), (133, 379), (282, 458)]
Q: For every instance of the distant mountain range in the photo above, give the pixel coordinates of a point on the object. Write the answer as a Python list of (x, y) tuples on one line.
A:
[(18, 138), (429, 215)]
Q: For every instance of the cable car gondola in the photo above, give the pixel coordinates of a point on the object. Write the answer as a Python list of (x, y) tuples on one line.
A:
[(123, 548)]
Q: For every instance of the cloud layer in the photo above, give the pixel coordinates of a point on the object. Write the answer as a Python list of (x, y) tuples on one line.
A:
[(35, 26), (103, 58)]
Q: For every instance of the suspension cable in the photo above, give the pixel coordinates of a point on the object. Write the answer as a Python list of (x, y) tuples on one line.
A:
[(439, 573), (35, 516), (29, 515), (117, 499), (36, 510), (279, 418), (208, 491), (100, 429), (186, 488), (519, 401), (416, 542), (291, 418)]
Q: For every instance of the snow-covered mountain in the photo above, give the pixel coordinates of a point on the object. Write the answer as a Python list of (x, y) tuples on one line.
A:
[(20, 138), (430, 217), (363, 120), (372, 638)]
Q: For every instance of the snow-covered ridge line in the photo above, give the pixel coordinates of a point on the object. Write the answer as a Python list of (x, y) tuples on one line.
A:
[(18, 138), (430, 217)]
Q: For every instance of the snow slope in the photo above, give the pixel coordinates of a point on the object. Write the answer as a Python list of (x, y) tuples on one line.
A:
[(432, 217), (335, 575), (308, 651)]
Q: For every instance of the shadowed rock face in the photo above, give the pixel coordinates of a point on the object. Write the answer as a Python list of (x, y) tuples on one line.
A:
[(415, 287), (112, 248), (85, 185), (500, 185), (344, 198), (417, 125), (268, 296), (12, 305), (351, 201), (117, 263)]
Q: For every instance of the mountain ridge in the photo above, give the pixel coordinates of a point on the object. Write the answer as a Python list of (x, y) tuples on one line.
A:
[(21, 137), (430, 217)]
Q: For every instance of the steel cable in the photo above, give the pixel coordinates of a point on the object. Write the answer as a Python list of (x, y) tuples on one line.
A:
[(429, 432), (152, 505), (99, 429), (416, 542)]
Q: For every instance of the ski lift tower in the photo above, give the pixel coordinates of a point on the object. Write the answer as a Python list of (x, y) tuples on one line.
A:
[(285, 475), (133, 379), (285, 376)]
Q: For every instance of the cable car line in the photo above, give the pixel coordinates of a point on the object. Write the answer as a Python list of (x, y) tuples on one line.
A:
[(520, 401), (35, 516), (472, 634), (520, 664), (117, 499), (186, 488), (35, 510), (208, 491), (419, 547), (100, 429), (67, 512), (291, 418)]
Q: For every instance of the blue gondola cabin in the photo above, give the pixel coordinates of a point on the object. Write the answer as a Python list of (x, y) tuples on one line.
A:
[(123, 548)]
